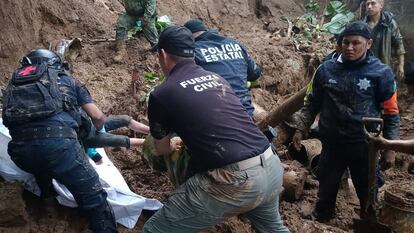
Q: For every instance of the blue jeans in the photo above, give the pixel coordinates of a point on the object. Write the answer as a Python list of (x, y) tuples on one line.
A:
[(209, 198), (64, 160)]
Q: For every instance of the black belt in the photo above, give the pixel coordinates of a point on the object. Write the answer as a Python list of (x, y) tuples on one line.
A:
[(45, 132)]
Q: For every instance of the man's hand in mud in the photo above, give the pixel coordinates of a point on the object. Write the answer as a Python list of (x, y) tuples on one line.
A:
[(297, 139), (176, 144), (387, 160)]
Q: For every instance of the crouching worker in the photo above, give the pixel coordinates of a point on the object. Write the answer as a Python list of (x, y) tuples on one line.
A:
[(43, 123), (232, 169)]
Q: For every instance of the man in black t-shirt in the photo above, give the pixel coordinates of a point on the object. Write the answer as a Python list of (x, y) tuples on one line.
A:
[(232, 168)]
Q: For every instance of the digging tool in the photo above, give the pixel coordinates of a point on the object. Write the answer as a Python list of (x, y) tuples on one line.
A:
[(369, 217)]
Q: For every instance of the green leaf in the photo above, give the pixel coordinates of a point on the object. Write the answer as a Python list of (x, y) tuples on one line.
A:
[(312, 5), (338, 23), (149, 76)]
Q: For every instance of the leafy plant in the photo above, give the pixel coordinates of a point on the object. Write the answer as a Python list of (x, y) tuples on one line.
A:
[(152, 82), (312, 5), (338, 23), (336, 7), (162, 22)]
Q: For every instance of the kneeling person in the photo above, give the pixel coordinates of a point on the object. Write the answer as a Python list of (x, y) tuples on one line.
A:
[(232, 169)]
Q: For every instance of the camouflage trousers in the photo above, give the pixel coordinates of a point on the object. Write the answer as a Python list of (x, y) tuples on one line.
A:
[(126, 22)]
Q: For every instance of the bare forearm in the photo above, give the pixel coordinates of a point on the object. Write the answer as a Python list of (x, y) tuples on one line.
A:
[(97, 116), (138, 127), (401, 60), (405, 146)]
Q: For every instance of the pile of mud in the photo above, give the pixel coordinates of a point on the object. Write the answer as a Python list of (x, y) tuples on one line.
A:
[(28, 24)]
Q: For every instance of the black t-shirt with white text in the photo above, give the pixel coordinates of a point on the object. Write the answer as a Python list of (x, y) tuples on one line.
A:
[(202, 109)]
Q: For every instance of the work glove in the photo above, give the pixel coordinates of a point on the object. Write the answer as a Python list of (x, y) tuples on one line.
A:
[(387, 160), (297, 139)]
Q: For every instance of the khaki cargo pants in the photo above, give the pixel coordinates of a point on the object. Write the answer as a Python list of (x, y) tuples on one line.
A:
[(209, 198)]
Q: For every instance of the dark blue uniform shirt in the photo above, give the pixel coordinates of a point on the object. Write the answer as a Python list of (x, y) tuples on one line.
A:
[(228, 58), (76, 93), (203, 110), (344, 94)]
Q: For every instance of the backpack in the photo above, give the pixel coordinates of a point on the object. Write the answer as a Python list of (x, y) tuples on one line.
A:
[(32, 93)]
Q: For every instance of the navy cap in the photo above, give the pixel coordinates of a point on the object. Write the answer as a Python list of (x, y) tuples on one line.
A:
[(195, 25), (357, 28), (176, 40)]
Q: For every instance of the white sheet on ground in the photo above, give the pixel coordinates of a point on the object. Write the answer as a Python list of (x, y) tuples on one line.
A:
[(127, 205)]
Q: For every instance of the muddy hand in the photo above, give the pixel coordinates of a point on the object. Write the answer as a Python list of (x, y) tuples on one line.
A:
[(176, 143), (296, 140), (387, 160), (378, 141), (400, 73)]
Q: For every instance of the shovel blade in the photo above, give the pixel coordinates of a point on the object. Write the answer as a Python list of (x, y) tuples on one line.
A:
[(365, 226)]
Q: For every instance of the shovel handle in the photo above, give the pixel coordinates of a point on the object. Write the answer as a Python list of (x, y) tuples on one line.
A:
[(373, 120)]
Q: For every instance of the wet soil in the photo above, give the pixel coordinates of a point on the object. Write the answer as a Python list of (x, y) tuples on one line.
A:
[(28, 24)]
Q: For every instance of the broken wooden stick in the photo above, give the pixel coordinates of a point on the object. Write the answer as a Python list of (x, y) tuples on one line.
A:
[(283, 111)]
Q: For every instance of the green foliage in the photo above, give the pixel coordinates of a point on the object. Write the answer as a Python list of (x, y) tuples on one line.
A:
[(312, 5), (336, 7), (338, 23), (151, 81), (162, 22), (308, 26)]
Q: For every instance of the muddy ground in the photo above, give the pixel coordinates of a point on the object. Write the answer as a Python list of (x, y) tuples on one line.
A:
[(27, 24)]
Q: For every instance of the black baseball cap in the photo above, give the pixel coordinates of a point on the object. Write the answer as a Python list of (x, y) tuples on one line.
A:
[(195, 25), (176, 40), (357, 28)]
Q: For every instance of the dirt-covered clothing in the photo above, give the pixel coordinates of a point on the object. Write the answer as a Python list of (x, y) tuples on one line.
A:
[(95, 139), (388, 41), (228, 58), (135, 10), (202, 109), (46, 149), (335, 158), (232, 167), (209, 198), (343, 93)]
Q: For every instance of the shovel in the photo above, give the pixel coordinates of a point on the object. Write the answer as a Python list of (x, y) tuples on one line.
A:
[(369, 219)]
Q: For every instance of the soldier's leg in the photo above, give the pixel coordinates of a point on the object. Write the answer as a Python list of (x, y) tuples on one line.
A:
[(125, 23), (150, 31)]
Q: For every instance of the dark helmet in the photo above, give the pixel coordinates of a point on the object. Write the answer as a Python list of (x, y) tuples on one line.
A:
[(38, 56)]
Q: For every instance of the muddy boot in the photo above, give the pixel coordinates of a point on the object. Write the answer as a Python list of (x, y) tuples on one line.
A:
[(121, 51)]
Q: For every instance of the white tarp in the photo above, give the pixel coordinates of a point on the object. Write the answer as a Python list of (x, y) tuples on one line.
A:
[(127, 205)]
